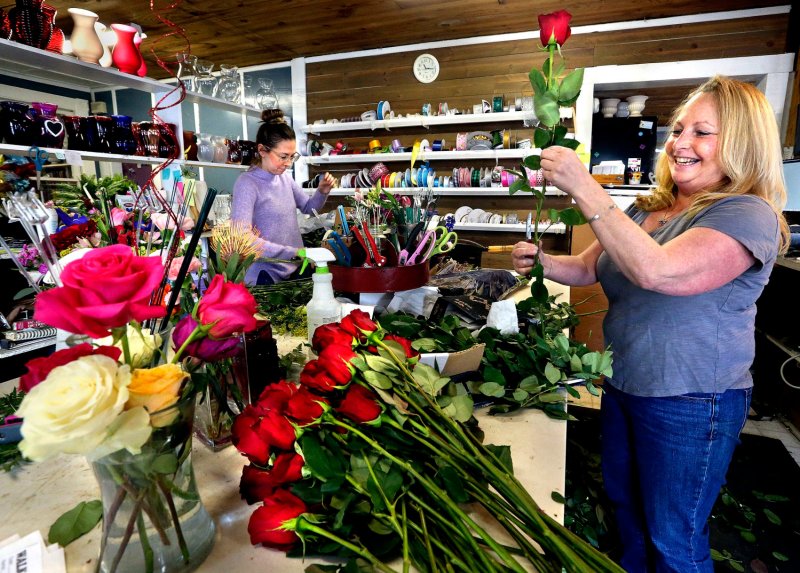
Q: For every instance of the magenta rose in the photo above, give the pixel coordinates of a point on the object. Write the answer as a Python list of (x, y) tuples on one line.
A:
[(357, 323), (328, 334), (107, 288), (228, 306), (360, 404), (206, 349), (256, 483), (266, 525), (554, 27), (39, 368)]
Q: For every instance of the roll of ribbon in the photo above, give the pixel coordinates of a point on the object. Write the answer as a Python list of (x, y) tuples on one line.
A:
[(425, 145), (396, 146), (506, 139), (326, 149), (497, 139), (383, 109), (369, 115), (518, 103), (426, 109), (504, 178), (461, 141), (476, 178), (341, 146), (444, 109), (437, 145), (374, 145)]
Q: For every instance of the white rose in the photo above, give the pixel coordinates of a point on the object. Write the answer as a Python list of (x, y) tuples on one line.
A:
[(141, 345), (75, 409)]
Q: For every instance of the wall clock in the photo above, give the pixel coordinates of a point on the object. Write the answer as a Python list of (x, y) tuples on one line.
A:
[(426, 68)]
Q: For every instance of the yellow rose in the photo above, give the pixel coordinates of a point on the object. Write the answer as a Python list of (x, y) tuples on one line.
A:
[(141, 345), (156, 389), (78, 408)]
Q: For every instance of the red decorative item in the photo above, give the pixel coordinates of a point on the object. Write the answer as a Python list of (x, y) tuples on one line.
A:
[(137, 40), (126, 55)]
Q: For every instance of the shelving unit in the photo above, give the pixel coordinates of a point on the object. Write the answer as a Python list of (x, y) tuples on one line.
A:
[(452, 191), (423, 121), (422, 156)]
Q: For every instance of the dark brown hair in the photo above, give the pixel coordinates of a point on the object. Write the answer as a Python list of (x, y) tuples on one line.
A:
[(274, 129)]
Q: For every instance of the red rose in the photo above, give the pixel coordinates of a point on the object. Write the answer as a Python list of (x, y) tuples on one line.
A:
[(107, 288), (206, 349), (39, 368), (228, 306), (276, 396), (328, 334), (266, 525), (554, 28), (257, 484), (247, 439), (357, 323), (405, 343), (305, 407), (336, 361), (360, 404), (316, 376), (276, 430)]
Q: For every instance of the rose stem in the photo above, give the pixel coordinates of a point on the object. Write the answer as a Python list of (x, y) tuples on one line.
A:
[(112, 515), (146, 548), (175, 520), (127, 536)]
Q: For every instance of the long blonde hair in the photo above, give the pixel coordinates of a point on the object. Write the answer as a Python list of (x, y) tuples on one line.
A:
[(749, 151)]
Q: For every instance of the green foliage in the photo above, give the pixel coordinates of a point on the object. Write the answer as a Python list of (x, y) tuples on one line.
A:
[(284, 304), (10, 456), (78, 521)]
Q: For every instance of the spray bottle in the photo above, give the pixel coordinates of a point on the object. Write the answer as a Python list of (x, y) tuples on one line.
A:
[(323, 308)]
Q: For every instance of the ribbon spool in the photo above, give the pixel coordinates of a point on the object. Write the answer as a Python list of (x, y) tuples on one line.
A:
[(397, 147), (497, 139), (383, 109), (426, 109), (461, 141), (369, 115), (374, 145)]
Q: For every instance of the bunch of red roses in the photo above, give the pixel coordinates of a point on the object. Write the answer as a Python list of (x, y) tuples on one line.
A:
[(371, 459)]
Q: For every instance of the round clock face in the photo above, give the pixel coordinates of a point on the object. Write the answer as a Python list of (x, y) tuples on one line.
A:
[(426, 68)]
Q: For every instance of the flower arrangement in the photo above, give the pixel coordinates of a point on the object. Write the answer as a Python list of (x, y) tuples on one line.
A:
[(30, 258), (375, 459), (124, 401)]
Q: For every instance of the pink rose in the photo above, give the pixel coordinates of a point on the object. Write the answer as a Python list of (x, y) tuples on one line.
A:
[(107, 288), (228, 306), (175, 267), (119, 216), (206, 349)]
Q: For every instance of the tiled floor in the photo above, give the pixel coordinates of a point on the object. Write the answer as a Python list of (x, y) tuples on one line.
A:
[(775, 428)]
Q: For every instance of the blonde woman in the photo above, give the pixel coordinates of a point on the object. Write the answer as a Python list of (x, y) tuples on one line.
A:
[(682, 270)]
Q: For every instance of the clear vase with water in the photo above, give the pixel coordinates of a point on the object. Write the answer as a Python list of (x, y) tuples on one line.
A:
[(266, 98)]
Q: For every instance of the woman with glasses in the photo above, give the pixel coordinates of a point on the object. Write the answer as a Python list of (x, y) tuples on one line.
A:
[(266, 196)]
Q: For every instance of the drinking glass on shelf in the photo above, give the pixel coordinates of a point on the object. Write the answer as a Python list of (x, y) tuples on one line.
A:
[(186, 68), (205, 82), (266, 98), (249, 93)]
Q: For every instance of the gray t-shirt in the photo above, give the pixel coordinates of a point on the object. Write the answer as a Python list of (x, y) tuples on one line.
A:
[(668, 345)]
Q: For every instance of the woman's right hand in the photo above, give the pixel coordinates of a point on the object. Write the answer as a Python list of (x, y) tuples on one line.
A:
[(522, 257)]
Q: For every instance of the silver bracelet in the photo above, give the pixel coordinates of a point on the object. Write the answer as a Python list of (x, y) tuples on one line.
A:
[(596, 216)]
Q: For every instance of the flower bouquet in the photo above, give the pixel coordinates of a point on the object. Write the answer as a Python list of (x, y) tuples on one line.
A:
[(376, 460), (127, 405)]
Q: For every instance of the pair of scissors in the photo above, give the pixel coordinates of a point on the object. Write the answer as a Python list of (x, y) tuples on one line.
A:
[(39, 158), (343, 256), (410, 242), (374, 257), (343, 218), (444, 242)]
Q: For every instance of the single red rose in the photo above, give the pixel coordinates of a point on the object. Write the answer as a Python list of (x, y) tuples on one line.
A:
[(107, 288), (268, 524), (39, 368), (257, 484), (328, 334), (276, 430), (304, 407), (228, 306), (554, 28), (277, 396), (206, 349), (356, 323), (336, 361), (247, 438), (360, 404), (315, 376), (405, 343)]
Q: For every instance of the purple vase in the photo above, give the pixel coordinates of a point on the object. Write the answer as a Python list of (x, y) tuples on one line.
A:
[(16, 124), (49, 130), (75, 138), (122, 140)]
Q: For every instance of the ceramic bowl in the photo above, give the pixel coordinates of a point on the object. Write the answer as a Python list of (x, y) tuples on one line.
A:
[(609, 106), (636, 105)]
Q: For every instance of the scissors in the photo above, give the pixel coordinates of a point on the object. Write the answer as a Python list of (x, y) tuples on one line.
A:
[(410, 242), (343, 256), (39, 158), (430, 245), (343, 217), (374, 258)]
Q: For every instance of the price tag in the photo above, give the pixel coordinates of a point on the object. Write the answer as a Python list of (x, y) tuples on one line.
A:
[(73, 158), (645, 124)]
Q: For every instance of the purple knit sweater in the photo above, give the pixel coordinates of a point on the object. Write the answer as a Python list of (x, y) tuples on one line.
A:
[(268, 202)]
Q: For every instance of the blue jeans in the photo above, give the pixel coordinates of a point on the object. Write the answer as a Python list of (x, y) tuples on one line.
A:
[(664, 461)]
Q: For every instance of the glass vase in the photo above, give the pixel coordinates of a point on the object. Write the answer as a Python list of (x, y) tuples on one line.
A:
[(228, 86), (204, 82), (266, 98), (221, 403), (153, 518)]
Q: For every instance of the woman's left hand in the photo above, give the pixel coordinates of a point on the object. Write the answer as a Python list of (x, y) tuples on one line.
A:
[(327, 183), (562, 167)]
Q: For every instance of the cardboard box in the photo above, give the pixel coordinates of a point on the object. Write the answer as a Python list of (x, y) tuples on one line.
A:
[(452, 363), (610, 179)]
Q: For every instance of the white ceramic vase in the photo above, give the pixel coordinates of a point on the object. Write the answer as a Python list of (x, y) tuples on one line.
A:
[(636, 105), (609, 106), (102, 33)]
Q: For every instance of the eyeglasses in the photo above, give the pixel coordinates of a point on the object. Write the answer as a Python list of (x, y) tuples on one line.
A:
[(283, 158)]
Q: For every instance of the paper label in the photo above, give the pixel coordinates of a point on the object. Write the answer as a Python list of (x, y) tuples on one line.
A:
[(645, 124), (73, 158)]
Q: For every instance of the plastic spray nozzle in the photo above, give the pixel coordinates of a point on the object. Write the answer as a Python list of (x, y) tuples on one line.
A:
[(321, 258)]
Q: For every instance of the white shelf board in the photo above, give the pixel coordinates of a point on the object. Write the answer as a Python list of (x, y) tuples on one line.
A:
[(557, 228), (27, 347), (451, 191), (194, 97), (9, 149), (422, 156), (209, 164), (419, 121)]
